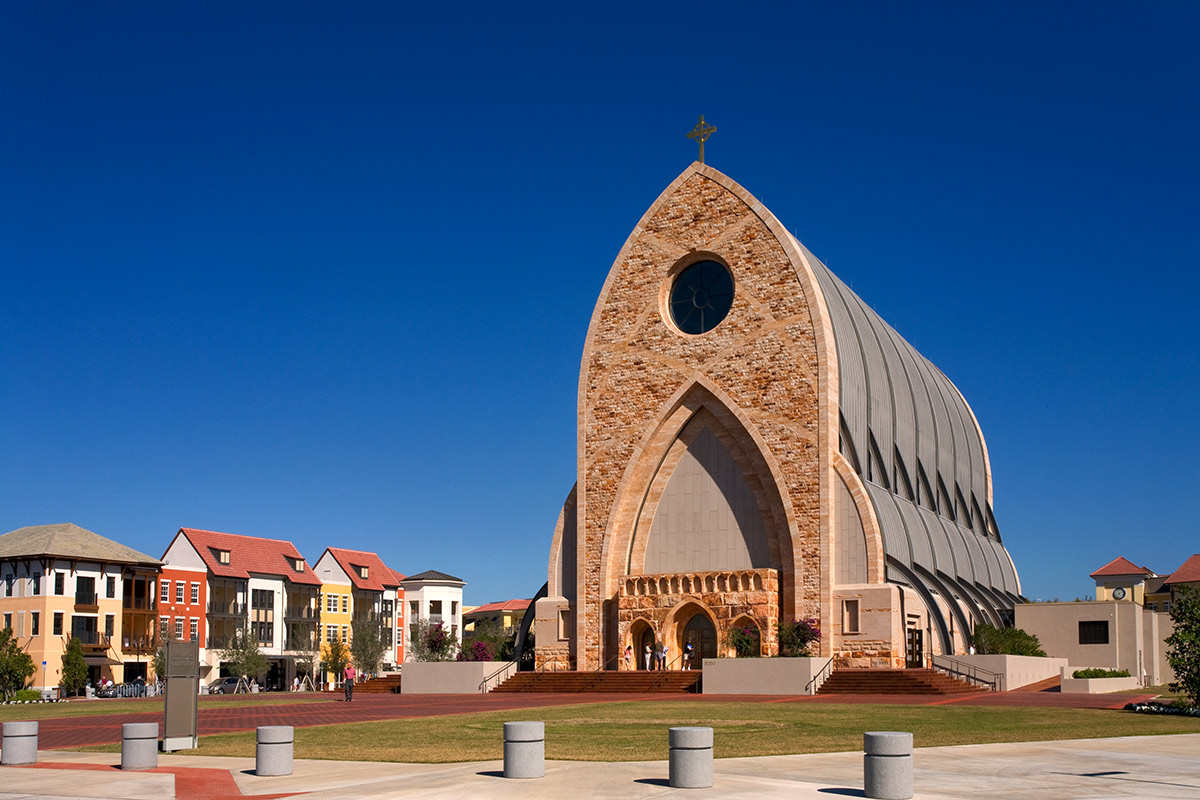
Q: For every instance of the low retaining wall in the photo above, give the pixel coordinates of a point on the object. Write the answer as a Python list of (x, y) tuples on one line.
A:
[(1014, 671), (1095, 685), (446, 677), (761, 675)]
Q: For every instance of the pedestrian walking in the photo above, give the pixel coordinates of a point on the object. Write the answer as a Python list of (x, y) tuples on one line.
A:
[(348, 682)]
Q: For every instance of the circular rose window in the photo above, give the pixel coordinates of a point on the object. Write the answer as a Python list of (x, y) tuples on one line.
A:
[(701, 297)]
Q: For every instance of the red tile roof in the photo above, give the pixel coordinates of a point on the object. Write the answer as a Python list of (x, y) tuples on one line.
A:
[(1188, 571), (249, 554), (504, 605), (1120, 566), (379, 575)]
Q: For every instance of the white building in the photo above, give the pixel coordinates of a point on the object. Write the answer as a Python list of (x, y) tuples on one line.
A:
[(436, 597)]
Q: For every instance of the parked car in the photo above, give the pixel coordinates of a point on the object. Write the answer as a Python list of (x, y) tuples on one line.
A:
[(224, 686)]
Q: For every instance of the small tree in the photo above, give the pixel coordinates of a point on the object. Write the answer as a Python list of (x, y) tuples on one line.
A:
[(243, 655), (1183, 646), (431, 641), (160, 655), (16, 666), (306, 643), (74, 668), (335, 656), (797, 637), (489, 642), (366, 642), (1006, 641)]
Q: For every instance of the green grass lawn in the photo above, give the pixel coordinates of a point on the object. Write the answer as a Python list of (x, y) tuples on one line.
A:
[(638, 731), (131, 705)]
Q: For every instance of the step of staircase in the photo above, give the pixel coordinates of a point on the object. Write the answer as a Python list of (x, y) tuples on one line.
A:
[(386, 684), (632, 682), (895, 681)]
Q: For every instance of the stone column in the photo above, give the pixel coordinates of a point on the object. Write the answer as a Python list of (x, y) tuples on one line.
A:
[(273, 750), (20, 743), (139, 745), (524, 749), (691, 757), (888, 765)]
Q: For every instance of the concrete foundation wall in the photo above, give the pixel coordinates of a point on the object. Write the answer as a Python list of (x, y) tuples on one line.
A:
[(1095, 685), (446, 677), (1014, 671), (760, 675)]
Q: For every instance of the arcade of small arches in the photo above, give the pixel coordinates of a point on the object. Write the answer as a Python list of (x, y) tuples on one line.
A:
[(703, 607)]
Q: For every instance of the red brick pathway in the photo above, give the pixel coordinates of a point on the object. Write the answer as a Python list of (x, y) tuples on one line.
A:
[(78, 731)]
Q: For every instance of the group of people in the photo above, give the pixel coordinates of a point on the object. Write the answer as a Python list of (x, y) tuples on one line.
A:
[(655, 656)]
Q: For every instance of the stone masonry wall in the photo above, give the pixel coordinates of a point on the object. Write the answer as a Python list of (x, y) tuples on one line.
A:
[(763, 358)]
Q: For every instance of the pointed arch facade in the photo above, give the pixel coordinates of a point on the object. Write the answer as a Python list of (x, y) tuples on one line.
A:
[(793, 421)]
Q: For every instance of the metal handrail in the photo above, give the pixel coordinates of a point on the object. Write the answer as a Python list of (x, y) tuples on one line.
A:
[(483, 684), (813, 686), (994, 681)]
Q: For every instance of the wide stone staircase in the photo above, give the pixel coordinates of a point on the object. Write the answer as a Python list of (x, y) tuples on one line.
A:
[(632, 682), (895, 681), (385, 684)]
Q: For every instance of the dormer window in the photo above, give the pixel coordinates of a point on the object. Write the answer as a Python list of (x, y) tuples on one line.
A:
[(223, 556), (362, 572), (298, 564)]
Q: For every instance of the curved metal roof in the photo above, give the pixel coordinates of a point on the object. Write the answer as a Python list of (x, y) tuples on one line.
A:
[(915, 443)]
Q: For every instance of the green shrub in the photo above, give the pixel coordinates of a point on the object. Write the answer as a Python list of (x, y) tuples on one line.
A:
[(27, 694), (746, 641), (797, 636), (1096, 672), (1006, 642)]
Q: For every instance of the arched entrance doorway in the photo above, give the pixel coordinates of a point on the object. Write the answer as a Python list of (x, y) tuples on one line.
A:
[(641, 636), (701, 632)]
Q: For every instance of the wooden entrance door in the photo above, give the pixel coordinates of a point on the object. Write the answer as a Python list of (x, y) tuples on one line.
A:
[(703, 636)]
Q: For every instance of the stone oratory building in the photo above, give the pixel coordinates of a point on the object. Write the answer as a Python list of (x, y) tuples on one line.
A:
[(756, 445)]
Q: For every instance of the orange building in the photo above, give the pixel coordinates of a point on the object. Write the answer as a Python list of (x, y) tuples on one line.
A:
[(59, 582)]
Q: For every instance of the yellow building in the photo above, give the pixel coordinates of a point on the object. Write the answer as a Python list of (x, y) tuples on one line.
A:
[(59, 582), (336, 591)]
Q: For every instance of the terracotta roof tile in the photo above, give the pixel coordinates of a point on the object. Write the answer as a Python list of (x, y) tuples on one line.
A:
[(250, 554), (379, 575), (1120, 566), (503, 605), (1188, 572)]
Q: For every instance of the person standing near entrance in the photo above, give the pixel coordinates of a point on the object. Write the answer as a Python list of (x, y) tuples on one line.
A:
[(628, 657), (688, 651), (649, 658), (348, 682)]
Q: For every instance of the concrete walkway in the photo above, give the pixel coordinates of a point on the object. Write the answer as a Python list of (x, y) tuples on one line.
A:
[(1162, 767)]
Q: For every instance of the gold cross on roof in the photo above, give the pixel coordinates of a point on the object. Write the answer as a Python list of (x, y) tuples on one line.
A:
[(701, 132)]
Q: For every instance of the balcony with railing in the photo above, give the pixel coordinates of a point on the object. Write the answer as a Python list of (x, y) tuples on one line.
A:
[(92, 639), (87, 600), (220, 608), (304, 614), (139, 604)]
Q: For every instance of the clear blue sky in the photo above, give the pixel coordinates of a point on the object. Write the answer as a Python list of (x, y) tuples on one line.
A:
[(323, 271)]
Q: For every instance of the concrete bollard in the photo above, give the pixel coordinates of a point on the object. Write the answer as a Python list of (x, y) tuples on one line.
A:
[(691, 757), (888, 765), (273, 750), (139, 745), (20, 743), (524, 749)]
